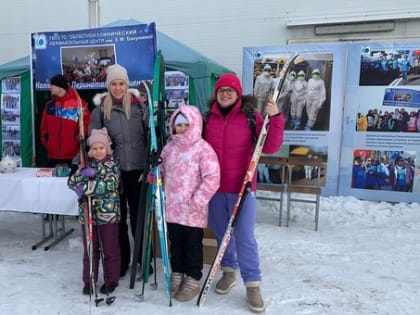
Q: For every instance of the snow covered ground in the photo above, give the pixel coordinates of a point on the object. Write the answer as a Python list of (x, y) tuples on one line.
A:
[(365, 259)]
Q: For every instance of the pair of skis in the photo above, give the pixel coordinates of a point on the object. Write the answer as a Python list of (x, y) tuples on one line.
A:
[(154, 193), (245, 189)]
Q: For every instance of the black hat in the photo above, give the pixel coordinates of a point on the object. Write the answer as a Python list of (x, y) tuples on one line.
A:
[(60, 81)]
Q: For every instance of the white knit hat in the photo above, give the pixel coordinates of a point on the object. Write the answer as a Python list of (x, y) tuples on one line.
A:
[(115, 72), (181, 119)]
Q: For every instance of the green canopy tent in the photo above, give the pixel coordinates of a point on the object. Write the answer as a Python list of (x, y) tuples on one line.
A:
[(202, 73)]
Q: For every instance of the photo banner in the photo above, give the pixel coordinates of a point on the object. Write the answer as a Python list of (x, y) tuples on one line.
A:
[(11, 88), (82, 56), (380, 157), (311, 101)]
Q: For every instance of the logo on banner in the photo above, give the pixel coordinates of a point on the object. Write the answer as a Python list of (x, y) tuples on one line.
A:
[(365, 50), (258, 54), (40, 41)]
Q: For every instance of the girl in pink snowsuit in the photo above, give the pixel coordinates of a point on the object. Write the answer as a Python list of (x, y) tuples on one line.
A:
[(191, 176)]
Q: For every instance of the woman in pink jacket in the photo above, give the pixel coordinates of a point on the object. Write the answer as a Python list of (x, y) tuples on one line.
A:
[(228, 131), (191, 175)]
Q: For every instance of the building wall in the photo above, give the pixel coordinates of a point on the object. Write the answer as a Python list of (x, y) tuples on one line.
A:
[(218, 29)]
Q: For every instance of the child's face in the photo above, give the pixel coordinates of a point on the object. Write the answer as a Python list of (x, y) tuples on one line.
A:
[(98, 151), (181, 128)]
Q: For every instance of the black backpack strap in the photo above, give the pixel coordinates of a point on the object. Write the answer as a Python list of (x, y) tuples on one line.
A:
[(102, 115), (252, 124), (206, 117), (143, 109)]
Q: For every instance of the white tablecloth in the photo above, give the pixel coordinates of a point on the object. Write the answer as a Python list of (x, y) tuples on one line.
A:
[(23, 191)]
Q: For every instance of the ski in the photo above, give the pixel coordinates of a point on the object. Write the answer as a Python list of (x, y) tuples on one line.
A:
[(147, 227), (88, 209), (245, 189), (158, 197), (152, 193), (142, 224)]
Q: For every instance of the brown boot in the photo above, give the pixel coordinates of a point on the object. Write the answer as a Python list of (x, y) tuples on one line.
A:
[(190, 288), (176, 281), (227, 282), (254, 298)]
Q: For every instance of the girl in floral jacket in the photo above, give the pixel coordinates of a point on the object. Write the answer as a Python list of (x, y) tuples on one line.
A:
[(191, 175), (100, 181)]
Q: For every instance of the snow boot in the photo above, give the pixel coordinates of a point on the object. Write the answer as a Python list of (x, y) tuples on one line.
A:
[(108, 287), (176, 282), (227, 282), (254, 298), (189, 289), (87, 289)]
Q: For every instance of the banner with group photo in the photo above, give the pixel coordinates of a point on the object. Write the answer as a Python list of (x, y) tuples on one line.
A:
[(82, 56), (380, 157), (311, 100)]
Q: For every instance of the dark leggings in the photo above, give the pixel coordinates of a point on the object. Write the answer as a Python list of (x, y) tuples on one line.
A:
[(130, 199)]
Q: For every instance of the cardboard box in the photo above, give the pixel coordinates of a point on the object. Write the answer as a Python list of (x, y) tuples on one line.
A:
[(210, 246)]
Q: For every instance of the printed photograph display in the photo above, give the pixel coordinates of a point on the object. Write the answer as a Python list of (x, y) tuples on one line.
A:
[(383, 170), (11, 85), (10, 118), (381, 126), (87, 64), (308, 165), (10, 101), (305, 96), (176, 89), (389, 90), (310, 99)]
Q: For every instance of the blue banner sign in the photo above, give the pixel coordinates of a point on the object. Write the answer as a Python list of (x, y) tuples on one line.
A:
[(82, 56), (401, 98)]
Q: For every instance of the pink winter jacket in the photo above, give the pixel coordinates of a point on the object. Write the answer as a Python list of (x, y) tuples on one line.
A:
[(231, 138), (190, 171)]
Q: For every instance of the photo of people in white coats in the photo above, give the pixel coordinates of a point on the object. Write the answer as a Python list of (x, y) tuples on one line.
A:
[(305, 96)]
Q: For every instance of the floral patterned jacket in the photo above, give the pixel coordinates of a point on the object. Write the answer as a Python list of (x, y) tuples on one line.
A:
[(190, 170), (103, 190)]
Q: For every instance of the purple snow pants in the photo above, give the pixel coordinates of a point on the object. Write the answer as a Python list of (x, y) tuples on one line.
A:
[(242, 251), (111, 249)]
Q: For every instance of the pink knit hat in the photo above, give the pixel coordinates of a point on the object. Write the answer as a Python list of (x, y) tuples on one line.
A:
[(100, 136), (229, 80)]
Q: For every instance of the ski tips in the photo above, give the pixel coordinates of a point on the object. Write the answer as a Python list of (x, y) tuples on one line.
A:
[(299, 59), (98, 300), (109, 300), (140, 297), (203, 294), (200, 302)]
